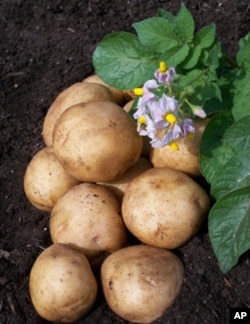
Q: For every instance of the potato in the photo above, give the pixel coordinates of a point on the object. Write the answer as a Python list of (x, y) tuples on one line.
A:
[(88, 219), (164, 207), (76, 93), (62, 285), (129, 94), (128, 105), (186, 159), (119, 185), (45, 179), (140, 282), (96, 141), (117, 93)]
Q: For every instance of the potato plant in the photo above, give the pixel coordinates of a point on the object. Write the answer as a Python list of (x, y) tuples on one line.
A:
[(208, 81)]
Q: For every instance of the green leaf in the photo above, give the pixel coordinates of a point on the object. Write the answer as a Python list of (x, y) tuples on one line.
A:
[(134, 107), (235, 174), (185, 25), (156, 33), (206, 36), (191, 78), (176, 55), (243, 54), (238, 135), (241, 98), (192, 58), (229, 227), (122, 62), (206, 92), (212, 90), (167, 15), (214, 153), (216, 90), (214, 105), (211, 56)]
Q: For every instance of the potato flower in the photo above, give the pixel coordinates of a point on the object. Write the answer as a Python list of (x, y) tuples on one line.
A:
[(159, 115)]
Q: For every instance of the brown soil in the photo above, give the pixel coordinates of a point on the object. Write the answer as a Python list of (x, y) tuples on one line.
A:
[(46, 46)]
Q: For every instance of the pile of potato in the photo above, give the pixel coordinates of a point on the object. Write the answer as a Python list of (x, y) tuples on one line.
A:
[(103, 185)]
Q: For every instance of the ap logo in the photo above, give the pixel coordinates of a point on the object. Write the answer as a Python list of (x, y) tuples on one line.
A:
[(239, 315)]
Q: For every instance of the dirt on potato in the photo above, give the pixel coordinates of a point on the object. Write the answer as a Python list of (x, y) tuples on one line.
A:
[(46, 46)]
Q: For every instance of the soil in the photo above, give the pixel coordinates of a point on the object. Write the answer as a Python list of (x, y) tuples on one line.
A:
[(45, 47)]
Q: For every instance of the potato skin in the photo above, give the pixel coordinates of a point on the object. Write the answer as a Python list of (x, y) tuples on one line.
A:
[(96, 141), (118, 186), (88, 219), (164, 207), (129, 94), (117, 93), (140, 282), (127, 107), (62, 285), (76, 93), (45, 180), (186, 159)]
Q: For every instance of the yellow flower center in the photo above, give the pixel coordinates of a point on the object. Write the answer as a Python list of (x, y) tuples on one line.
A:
[(138, 91), (141, 120), (163, 67), (170, 118), (174, 146)]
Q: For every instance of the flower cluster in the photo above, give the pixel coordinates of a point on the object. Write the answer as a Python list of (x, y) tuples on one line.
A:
[(159, 115)]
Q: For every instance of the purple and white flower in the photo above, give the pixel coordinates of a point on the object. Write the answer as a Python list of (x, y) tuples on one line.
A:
[(165, 77), (161, 118)]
